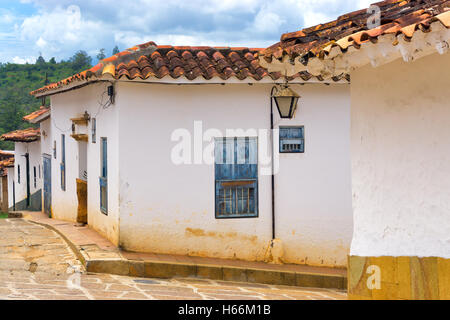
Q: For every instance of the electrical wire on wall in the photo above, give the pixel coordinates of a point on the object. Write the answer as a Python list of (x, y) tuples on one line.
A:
[(105, 105), (59, 129), (102, 105)]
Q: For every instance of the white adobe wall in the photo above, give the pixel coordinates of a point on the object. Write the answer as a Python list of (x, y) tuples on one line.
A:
[(400, 142), (313, 189), (73, 104), (170, 209), (46, 137), (34, 151), (11, 179)]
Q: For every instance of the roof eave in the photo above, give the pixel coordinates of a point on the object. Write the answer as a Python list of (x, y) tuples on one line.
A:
[(181, 81), (22, 140), (69, 87), (388, 47), (40, 118)]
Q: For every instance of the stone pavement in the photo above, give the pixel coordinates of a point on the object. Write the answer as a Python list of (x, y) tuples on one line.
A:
[(101, 256), (29, 247), (36, 263), (23, 285)]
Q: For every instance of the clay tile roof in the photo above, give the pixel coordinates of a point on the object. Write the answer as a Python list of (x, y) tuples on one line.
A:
[(6, 154), (149, 60), (42, 112), (25, 135), (7, 163), (398, 17)]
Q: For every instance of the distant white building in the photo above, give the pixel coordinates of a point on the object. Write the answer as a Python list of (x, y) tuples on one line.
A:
[(137, 145), (6, 162), (25, 182)]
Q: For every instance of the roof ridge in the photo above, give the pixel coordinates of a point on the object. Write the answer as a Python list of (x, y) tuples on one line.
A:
[(239, 62), (311, 41), (22, 135)]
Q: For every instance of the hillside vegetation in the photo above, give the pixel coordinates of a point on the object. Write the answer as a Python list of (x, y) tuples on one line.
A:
[(18, 80)]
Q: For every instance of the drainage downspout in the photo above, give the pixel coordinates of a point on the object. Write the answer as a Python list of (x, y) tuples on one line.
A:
[(14, 194), (273, 157)]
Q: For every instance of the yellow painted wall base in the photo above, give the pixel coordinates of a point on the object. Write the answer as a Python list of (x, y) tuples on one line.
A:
[(398, 278)]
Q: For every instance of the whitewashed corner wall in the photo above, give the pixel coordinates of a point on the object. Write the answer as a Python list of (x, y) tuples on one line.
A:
[(400, 140), (34, 151), (11, 187), (73, 104), (167, 208), (46, 137)]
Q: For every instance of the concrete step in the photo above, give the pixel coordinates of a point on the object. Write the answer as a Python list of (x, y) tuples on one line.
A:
[(100, 256)]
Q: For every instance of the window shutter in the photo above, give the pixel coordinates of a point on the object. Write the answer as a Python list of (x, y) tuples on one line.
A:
[(63, 162), (103, 180), (236, 177), (292, 140)]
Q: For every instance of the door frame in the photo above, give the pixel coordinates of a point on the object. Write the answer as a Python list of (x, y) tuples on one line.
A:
[(47, 183), (27, 168)]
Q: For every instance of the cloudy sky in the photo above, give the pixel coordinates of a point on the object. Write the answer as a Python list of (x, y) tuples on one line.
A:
[(58, 28)]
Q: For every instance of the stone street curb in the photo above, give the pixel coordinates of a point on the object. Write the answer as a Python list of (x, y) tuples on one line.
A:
[(152, 269), (72, 246)]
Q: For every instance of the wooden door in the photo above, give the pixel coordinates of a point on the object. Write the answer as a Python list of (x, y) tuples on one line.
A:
[(47, 166)]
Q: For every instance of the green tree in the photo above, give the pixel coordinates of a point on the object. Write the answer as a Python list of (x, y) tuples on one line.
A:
[(40, 60), (81, 60), (16, 82), (115, 50), (101, 54)]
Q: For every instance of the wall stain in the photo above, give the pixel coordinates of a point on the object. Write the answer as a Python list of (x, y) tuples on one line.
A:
[(222, 235)]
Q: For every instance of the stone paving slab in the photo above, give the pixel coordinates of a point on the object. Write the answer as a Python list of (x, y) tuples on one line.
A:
[(98, 255), (60, 276)]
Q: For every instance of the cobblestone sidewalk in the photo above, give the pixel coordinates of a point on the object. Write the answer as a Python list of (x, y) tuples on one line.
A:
[(35, 263)]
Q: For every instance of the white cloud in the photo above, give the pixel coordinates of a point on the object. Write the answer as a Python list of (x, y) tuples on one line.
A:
[(61, 27), (60, 31), (20, 60), (41, 43), (267, 21), (7, 18)]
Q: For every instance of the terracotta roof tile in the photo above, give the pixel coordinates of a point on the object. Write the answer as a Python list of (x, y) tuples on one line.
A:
[(150, 60), (25, 135), (36, 114), (7, 163), (403, 17), (6, 154)]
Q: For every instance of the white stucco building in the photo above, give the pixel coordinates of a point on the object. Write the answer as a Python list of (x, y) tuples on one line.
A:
[(400, 136), (25, 183), (143, 130), (6, 162)]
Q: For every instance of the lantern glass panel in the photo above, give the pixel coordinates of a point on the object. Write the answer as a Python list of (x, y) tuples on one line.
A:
[(284, 105)]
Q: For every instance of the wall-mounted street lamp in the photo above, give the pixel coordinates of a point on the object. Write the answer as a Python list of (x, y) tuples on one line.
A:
[(286, 100)]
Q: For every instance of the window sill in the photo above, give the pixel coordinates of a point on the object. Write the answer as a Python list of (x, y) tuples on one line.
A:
[(240, 216)]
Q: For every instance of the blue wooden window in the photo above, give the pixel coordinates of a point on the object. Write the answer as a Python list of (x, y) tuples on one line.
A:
[(236, 177), (292, 139), (63, 162), (94, 130), (35, 176), (104, 176)]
